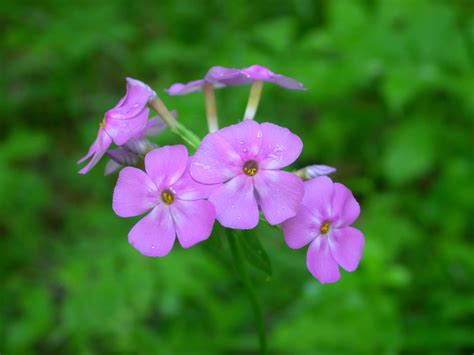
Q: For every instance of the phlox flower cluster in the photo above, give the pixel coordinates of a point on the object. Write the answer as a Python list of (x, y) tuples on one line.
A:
[(235, 176)]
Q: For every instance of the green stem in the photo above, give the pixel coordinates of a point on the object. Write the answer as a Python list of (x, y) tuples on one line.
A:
[(239, 264), (175, 126)]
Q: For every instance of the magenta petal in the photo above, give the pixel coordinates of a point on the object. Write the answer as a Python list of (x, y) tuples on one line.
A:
[(188, 189), (121, 130), (154, 234), (345, 208), (96, 151), (280, 147), (318, 197), (134, 193), (346, 246), (259, 73), (320, 262), (245, 137), (166, 165), (133, 103), (215, 161), (279, 194), (301, 229), (193, 221), (184, 89), (235, 203)]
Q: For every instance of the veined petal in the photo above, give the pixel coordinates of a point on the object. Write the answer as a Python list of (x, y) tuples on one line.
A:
[(133, 103), (235, 203), (134, 194), (188, 189), (166, 165), (215, 161), (184, 89), (154, 234), (96, 151), (346, 245), (318, 197), (279, 147), (279, 194), (193, 221), (345, 208), (121, 130), (320, 262), (301, 229), (244, 137)]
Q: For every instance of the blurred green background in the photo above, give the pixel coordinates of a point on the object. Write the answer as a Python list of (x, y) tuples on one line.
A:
[(390, 104)]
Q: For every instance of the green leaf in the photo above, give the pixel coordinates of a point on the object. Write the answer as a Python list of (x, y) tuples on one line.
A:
[(254, 252)]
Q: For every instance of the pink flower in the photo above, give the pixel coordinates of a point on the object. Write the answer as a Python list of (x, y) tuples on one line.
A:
[(220, 77), (173, 200), (127, 119), (246, 159), (136, 147), (324, 218)]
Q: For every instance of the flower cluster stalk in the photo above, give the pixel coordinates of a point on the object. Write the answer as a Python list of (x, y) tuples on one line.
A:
[(242, 271), (254, 99), (178, 128), (211, 110)]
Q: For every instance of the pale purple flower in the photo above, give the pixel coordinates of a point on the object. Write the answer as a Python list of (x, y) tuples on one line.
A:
[(136, 147), (313, 171), (220, 77), (175, 204), (324, 221), (246, 159), (127, 119)]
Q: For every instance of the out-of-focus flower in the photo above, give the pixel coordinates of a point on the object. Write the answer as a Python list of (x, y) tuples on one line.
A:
[(323, 220), (127, 119), (220, 77), (313, 171), (246, 159), (175, 203)]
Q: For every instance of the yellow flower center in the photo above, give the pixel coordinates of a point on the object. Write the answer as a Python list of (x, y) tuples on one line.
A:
[(167, 197), (324, 228), (250, 167)]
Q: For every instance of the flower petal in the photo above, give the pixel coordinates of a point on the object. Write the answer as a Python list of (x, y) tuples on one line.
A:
[(279, 148), (346, 245), (111, 167), (134, 194), (245, 137), (235, 203), (133, 103), (215, 161), (188, 189), (121, 130), (154, 234), (259, 73), (301, 229), (279, 194), (320, 262), (345, 208), (193, 221), (318, 197), (166, 165), (96, 151), (184, 89)]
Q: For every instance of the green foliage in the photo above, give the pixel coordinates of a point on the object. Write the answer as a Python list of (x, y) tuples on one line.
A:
[(390, 104)]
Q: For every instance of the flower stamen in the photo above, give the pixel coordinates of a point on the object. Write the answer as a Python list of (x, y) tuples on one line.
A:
[(250, 167), (167, 197), (324, 228)]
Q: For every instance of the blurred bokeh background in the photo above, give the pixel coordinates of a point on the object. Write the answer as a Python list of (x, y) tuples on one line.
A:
[(390, 104)]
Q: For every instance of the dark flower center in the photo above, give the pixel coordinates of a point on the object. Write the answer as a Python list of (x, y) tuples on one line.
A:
[(167, 197), (250, 167), (324, 228)]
